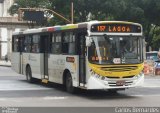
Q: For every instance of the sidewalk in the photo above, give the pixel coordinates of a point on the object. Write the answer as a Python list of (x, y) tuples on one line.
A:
[(152, 76), (4, 63), (152, 81)]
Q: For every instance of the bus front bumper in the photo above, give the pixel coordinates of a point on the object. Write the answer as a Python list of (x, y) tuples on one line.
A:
[(96, 83)]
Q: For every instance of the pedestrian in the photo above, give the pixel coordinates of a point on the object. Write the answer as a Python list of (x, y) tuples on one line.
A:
[(6, 58)]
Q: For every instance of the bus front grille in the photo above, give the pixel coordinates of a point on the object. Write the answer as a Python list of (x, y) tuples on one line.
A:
[(119, 68), (117, 77)]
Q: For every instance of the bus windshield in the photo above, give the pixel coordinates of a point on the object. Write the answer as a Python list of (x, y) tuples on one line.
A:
[(115, 50)]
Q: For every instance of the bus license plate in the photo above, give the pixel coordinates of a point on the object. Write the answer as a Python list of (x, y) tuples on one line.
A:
[(120, 83)]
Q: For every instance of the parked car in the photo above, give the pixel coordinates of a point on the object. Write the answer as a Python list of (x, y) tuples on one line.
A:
[(157, 67)]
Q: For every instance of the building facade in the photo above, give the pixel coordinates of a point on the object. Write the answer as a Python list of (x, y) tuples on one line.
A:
[(5, 33)]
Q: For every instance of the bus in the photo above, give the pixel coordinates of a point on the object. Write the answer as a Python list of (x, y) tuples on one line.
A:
[(94, 55)]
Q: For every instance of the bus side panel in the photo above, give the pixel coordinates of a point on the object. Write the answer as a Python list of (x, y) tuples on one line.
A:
[(25, 61), (73, 67), (56, 66), (58, 63), (16, 62), (34, 61)]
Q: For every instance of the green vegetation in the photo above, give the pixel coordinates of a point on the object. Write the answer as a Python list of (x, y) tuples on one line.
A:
[(145, 12)]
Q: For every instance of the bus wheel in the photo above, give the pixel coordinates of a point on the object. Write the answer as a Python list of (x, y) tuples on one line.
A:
[(29, 74), (69, 83)]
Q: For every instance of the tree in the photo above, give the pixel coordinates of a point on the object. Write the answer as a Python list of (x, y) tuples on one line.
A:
[(145, 12)]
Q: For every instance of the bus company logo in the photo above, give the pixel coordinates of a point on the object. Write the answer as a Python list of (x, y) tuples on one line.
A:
[(70, 59), (9, 110)]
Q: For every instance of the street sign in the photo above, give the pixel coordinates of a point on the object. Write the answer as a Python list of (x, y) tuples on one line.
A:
[(37, 16), (1, 1)]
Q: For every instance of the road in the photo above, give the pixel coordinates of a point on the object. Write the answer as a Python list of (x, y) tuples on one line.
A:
[(15, 91)]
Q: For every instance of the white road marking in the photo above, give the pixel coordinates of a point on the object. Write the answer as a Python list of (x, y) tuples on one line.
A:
[(156, 95), (151, 86), (54, 98), (3, 99)]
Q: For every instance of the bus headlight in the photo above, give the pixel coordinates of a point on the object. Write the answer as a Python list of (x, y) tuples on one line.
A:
[(139, 75), (99, 77)]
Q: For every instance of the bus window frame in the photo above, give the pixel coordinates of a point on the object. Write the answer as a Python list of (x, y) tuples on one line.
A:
[(52, 43), (20, 43), (71, 38), (28, 43), (37, 50)]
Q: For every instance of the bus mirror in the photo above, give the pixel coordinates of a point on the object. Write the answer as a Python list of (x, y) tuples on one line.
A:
[(88, 41)]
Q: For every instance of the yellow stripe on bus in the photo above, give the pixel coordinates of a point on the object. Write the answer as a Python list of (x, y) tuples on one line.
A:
[(122, 70)]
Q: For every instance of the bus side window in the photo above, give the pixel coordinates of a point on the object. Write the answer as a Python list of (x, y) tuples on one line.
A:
[(15, 44), (68, 43), (18, 44), (56, 43), (35, 44), (21, 43), (72, 48), (72, 43), (65, 40), (27, 44)]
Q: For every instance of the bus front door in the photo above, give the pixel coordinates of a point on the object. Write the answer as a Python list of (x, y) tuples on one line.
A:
[(16, 56), (44, 60), (82, 61)]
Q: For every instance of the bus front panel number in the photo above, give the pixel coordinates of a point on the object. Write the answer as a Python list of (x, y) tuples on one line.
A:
[(101, 28)]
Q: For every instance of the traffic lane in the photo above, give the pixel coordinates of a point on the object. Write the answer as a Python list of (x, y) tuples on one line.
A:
[(23, 88), (15, 91), (59, 98), (18, 92)]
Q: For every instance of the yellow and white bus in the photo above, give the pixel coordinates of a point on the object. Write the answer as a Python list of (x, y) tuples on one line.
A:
[(89, 55)]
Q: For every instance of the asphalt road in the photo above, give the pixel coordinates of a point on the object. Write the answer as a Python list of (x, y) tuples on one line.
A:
[(15, 91)]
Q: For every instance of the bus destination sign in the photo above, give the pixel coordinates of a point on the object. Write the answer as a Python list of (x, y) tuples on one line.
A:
[(116, 28)]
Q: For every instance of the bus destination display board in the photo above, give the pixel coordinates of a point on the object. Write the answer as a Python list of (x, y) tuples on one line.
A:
[(116, 28)]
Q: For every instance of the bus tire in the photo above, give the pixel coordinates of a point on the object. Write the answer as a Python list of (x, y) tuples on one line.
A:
[(69, 83), (29, 74)]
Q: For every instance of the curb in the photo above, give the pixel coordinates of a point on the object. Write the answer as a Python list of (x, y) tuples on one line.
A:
[(5, 65)]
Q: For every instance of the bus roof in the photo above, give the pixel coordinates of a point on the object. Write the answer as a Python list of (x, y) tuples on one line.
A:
[(71, 26)]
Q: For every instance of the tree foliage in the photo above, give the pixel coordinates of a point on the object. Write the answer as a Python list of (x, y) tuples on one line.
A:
[(145, 12)]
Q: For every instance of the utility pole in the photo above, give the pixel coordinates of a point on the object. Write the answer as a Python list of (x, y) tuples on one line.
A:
[(72, 12)]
